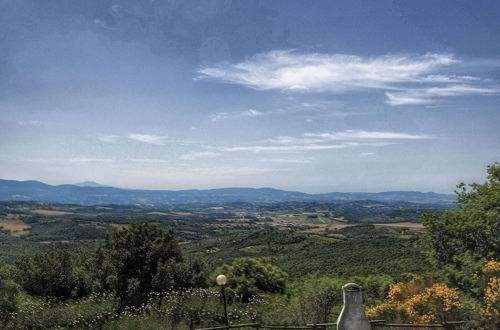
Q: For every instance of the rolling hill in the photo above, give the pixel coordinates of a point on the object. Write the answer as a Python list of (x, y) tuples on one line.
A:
[(96, 194)]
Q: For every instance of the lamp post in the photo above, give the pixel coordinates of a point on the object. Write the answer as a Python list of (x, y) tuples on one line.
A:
[(221, 281)]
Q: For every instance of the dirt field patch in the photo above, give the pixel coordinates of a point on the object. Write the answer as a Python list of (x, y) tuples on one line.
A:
[(189, 232), (183, 213), (50, 212), (402, 224), (159, 213), (323, 229), (55, 242), (16, 227), (119, 225)]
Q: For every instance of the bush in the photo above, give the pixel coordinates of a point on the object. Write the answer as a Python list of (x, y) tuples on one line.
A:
[(9, 294), (419, 301), (247, 277), (315, 297), (54, 274)]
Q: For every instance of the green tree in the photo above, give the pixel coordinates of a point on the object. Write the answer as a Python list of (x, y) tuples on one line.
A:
[(316, 296), (9, 294), (247, 277), (462, 240), (143, 258), (53, 274)]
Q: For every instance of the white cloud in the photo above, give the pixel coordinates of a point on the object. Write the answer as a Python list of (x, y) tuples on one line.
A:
[(289, 148), (147, 138), (198, 155), (148, 160), (323, 141), (360, 134), (287, 160), (108, 138), (29, 122), (365, 154), (218, 116), (407, 80), (432, 94), (406, 98), (83, 160), (453, 90), (288, 70), (253, 113)]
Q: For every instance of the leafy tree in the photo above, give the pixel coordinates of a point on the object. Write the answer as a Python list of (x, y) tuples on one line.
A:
[(316, 296), (247, 277), (462, 240), (53, 274), (142, 258), (9, 293)]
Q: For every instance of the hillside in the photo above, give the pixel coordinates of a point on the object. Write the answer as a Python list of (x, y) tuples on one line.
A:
[(97, 195)]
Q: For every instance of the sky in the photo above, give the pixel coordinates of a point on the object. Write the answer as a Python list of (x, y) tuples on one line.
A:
[(315, 96)]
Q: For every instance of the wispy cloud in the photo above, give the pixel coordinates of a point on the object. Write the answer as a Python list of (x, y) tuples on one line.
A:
[(291, 71), (360, 134), (253, 113), (324, 141), (289, 148), (29, 122), (288, 70), (198, 155), (365, 154), (84, 160), (218, 116), (432, 94), (148, 160), (407, 98), (108, 138), (148, 138), (287, 160)]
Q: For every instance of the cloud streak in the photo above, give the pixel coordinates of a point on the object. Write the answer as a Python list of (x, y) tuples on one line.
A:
[(368, 135), (218, 116), (199, 155), (406, 79), (324, 141), (108, 138), (148, 138), (432, 94)]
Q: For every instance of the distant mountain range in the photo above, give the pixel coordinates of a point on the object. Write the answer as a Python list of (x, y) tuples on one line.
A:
[(92, 193), (89, 184)]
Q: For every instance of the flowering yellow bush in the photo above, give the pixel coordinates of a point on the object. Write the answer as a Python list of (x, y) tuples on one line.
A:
[(418, 301), (491, 309), (492, 266)]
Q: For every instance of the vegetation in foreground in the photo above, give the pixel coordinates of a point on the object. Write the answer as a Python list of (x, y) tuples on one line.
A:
[(140, 278)]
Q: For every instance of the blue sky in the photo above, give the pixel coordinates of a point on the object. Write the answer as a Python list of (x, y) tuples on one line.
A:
[(315, 96)]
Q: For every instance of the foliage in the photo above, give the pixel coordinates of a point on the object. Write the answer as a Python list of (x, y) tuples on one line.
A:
[(358, 250), (462, 240), (419, 301), (376, 287), (247, 277), (315, 297), (9, 294), (490, 279), (87, 313), (142, 258), (53, 274)]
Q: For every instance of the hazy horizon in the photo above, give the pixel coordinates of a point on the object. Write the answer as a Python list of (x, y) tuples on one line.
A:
[(359, 96), (99, 184)]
